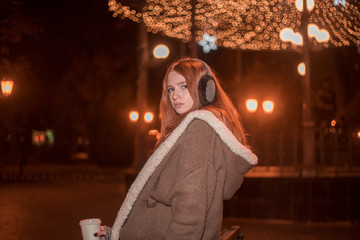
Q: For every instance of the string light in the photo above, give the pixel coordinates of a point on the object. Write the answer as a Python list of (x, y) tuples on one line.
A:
[(253, 25)]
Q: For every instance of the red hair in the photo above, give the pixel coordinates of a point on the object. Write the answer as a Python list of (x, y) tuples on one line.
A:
[(192, 70)]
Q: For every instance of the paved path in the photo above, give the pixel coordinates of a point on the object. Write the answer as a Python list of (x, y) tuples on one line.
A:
[(51, 211)]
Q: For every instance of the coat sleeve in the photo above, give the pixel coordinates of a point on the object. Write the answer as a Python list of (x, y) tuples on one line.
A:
[(195, 184)]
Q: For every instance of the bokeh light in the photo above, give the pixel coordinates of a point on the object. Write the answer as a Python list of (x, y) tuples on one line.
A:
[(161, 51), (301, 69), (134, 116), (268, 106), (251, 105), (148, 117)]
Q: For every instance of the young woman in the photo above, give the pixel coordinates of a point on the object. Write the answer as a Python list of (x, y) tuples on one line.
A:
[(199, 161)]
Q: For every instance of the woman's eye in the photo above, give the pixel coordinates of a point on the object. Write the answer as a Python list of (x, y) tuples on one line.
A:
[(170, 89), (184, 86)]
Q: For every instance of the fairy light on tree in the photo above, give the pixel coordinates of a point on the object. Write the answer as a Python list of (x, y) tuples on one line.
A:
[(253, 25)]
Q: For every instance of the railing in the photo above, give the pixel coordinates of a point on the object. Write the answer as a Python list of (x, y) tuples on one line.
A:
[(337, 153)]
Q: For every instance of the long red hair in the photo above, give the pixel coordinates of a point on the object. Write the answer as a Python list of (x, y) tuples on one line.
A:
[(192, 70)]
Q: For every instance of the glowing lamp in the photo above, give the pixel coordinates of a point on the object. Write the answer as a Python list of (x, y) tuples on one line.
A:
[(161, 51), (268, 106), (288, 35), (321, 35), (134, 116), (148, 117), (299, 5), (38, 137), (251, 105), (333, 123), (301, 69), (6, 86)]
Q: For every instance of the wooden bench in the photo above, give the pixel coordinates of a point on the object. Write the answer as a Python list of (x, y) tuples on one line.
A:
[(231, 233)]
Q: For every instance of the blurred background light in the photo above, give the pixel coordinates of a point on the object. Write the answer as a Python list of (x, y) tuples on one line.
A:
[(268, 106), (301, 69), (6, 86), (134, 116), (149, 117), (310, 5), (333, 123), (161, 51), (251, 105)]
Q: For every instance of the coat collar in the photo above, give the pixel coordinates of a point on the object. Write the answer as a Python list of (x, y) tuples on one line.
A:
[(155, 159)]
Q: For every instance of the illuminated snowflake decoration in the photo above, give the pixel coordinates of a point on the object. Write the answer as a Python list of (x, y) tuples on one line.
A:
[(208, 43), (342, 2)]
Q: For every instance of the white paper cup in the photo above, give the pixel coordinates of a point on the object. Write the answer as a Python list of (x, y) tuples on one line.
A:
[(89, 227)]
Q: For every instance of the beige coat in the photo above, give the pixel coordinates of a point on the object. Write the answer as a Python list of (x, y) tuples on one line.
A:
[(180, 191)]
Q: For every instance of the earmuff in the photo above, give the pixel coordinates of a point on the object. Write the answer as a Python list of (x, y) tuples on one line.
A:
[(207, 86)]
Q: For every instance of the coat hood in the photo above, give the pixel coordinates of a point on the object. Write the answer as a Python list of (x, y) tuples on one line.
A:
[(236, 167), (239, 160)]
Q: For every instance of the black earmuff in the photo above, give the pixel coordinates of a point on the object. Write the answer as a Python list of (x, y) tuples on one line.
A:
[(207, 87)]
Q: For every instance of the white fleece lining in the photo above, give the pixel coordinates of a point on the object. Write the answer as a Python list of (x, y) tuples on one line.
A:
[(155, 159)]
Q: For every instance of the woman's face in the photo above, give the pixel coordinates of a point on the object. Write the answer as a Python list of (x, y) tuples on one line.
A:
[(178, 93)]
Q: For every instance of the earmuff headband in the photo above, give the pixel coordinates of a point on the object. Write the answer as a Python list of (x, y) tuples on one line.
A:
[(207, 86)]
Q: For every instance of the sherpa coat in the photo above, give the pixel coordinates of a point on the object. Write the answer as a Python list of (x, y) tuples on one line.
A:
[(179, 192)]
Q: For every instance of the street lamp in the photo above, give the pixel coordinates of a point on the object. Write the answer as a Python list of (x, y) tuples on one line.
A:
[(6, 86), (268, 106), (148, 117), (251, 105), (139, 131), (309, 3), (321, 35), (301, 69), (161, 51), (134, 116)]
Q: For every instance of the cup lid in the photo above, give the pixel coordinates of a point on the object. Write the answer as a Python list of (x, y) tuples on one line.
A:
[(89, 221)]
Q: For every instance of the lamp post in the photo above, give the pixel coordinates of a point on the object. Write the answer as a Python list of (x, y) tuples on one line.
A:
[(302, 39), (140, 119), (6, 89), (308, 123), (161, 52), (141, 93), (259, 116)]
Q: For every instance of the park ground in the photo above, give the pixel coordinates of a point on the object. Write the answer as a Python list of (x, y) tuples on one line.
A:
[(52, 211)]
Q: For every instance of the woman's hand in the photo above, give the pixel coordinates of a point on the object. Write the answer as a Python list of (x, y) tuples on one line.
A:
[(104, 233)]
